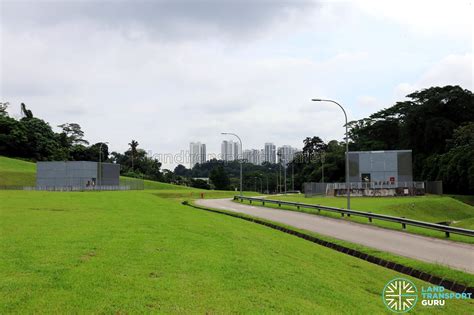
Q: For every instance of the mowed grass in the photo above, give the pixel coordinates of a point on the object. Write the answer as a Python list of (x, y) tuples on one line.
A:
[(136, 252), (15, 172)]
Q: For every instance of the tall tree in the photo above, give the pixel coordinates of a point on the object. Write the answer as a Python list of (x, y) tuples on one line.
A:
[(133, 149), (73, 134), (26, 112)]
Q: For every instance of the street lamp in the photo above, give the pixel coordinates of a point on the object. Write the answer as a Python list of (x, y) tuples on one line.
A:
[(261, 183), (347, 149), (233, 134), (100, 162)]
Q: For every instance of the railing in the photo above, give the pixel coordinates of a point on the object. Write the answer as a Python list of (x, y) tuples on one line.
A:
[(377, 185), (403, 221)]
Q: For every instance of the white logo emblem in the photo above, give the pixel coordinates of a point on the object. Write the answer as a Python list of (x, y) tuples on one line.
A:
[(400, 295)]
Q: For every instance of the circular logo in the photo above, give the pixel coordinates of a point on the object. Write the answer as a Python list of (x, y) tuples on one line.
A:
[(400, 295)]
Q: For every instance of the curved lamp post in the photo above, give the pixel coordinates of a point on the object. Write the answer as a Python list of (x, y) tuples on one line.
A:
[(233, 134), (347, 149)]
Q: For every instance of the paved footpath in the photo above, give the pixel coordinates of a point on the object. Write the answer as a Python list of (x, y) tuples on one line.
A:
[(455, 255)]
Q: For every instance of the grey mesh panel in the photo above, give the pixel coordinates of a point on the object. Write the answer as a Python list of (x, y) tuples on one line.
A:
[(405, 166)]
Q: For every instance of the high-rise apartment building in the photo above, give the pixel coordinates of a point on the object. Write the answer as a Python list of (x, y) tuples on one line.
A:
[(253, 156), (269, 153), (286, 153), (197, 153), (230, 150)]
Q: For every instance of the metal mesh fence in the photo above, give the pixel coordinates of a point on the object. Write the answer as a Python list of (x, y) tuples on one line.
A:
[(434, 187), (380, 188), (314, 189), (80, 185)]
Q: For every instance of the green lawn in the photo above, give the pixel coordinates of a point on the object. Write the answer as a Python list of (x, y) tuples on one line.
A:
[(469, 199), (137, 252), (15, 172)]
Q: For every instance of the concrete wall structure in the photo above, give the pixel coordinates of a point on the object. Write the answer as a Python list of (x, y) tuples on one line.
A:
[(76, 173), (392, 167)]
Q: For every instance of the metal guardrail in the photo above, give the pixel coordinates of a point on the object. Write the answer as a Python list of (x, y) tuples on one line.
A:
[(403, 221)]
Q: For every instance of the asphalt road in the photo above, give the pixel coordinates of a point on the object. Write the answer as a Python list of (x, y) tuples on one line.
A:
[(455, 255)]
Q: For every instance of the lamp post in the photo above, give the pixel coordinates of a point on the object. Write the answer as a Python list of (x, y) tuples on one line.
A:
[(347, 149), (100, 163), (233, 134), (293, 176), (323, 157), (279, 173), (261, 181)]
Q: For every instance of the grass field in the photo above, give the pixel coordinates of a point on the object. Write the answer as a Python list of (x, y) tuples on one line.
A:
[(15, 172), (144, 252), (429, 208), (138, 252)]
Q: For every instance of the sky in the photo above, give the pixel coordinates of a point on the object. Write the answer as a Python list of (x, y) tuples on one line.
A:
[(167, 73)]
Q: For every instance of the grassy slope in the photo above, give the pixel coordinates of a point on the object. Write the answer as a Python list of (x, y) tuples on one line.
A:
[(469, 199), (136, 252), (429, 208), (15, 172)]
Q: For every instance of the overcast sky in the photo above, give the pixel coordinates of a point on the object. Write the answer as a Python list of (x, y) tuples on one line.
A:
[(166, 73)]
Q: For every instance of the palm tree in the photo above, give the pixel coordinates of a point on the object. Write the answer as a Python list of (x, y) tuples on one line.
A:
[(133, 148)]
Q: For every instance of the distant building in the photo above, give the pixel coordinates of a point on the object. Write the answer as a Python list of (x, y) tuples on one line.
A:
[(78, 174), (286, 153), (253, 156), (269, 153), (230, 150), (385, 167), (375, 173), (197, 153)]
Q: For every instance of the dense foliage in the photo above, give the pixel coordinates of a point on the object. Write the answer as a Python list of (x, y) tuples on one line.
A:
[(34, 139), (436, 123)]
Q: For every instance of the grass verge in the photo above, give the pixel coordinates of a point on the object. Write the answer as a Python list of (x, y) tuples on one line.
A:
[(440, 271)]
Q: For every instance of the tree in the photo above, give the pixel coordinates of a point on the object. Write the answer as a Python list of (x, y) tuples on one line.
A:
[(133, 149), (423, 124), (455, 167), (313, 145), (199, 183), (73, 134), (220, 179), (181, 170), (3, 108), (26, 112)]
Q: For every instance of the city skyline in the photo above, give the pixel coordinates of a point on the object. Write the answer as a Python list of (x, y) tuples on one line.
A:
[(230, 151)]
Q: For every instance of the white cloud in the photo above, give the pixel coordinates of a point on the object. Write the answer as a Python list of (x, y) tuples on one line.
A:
[(253, 74), (432, 18), (451, 70)]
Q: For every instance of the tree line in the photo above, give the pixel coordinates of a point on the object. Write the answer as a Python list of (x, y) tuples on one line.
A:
[(31, 138), (437, 124)]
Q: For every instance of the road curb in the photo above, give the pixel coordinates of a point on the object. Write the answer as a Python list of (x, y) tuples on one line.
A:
[(433, 279)]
